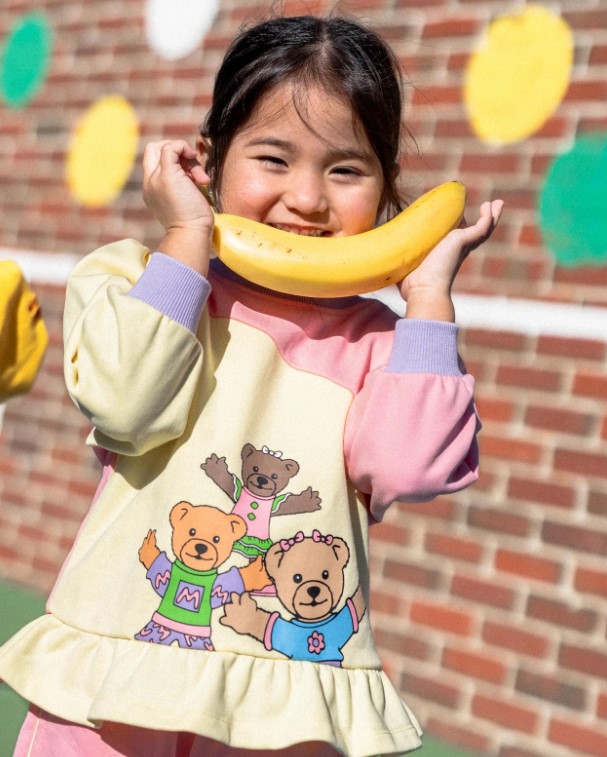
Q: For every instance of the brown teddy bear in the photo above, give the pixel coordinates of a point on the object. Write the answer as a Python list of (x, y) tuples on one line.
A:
[(308, 572), (259, 495), (192, 586)]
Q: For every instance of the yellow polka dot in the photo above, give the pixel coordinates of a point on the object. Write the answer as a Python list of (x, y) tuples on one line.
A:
[(102, 151), (519, 76)]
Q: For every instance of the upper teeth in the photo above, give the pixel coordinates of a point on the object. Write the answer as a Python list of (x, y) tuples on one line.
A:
[(300, 231)]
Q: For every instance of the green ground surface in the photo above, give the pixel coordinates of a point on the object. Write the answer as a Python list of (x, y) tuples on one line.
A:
[(18, 607)]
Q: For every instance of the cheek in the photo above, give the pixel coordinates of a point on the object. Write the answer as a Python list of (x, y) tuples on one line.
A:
[(359, 212), (243, 193)]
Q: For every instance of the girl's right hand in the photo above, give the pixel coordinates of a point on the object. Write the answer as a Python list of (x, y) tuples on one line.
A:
[(171, 172)]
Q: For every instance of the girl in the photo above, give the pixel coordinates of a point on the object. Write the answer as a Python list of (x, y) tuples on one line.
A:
[(223, 411)]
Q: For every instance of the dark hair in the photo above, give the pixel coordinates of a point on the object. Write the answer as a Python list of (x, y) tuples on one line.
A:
[(343, 56)]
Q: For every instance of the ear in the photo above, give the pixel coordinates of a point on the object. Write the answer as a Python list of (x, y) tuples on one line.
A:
[(292, 467), (340, 550), (247, 451), (203, 147), (238, 526), (273, 559), (179, 511)]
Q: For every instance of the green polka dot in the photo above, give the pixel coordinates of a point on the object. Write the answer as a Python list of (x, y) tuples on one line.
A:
[(573, 204), (25, 60)]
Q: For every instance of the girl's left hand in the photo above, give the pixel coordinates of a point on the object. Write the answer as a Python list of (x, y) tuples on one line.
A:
[(427, 289)]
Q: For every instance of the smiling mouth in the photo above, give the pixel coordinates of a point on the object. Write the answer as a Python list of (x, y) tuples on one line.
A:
[(303, 232), (313, 603), (199, 557)]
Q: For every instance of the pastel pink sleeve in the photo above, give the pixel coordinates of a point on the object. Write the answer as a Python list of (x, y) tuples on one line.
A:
[(411, 431)]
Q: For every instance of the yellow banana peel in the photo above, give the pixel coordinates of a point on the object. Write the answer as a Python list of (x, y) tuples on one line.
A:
[(339, 266)]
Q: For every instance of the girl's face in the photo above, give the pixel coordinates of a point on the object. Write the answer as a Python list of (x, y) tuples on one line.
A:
[(313, 173)]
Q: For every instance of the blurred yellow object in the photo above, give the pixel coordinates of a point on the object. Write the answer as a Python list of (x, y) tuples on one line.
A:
[(23, 335)]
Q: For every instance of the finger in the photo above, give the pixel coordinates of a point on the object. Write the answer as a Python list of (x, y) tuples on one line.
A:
[(475, 235), (497, 207), (195, 171), (176, 151), (151, 157)]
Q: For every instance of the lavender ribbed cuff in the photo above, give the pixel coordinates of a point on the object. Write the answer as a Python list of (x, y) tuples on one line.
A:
[(175, 289), (425, 347)]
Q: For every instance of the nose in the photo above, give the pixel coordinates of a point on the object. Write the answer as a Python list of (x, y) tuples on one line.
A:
[(201, 549), (313, 591), (306, 194)]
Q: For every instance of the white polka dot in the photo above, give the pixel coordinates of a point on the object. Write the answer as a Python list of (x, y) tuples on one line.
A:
[(175, 28)]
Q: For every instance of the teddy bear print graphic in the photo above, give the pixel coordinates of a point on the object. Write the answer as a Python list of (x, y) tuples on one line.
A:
[(308, 572), (305, 573), (260, 493), (192, 586)]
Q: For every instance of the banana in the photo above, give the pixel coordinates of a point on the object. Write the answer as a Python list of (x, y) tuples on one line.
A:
[(339, 266)]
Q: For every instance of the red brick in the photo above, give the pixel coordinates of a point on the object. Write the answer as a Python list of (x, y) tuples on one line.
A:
[(558, 613), (577, 538), (598, 55), (387, 531), (442, 508), (529, 235), (529, 378), (454, 547), (431, 689), (581, 275), (515, 751), (588, 18), (552, 689), (494, 409), (558, 419), (583, 740), (528, 566), (495, 340), (586, 91), (584, 660), (500, 521), (458, 735), (515, 639), (474, 665), (589, 581), (483, 592), (412, 573), (507, 269), (489, 162), (442, 617), (584, 349), (591, 385), (504, 448), (597, 502), (601, 707), (583, 463), (544, 492), (435, 95), (506, 714), (402, 644), (385, 601), (450, 27)]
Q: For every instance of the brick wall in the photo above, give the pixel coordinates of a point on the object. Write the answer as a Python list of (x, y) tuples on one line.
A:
[(490, 607)]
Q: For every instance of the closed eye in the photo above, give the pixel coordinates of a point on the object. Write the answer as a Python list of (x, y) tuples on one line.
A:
[(272, 161), (347, 170), (346, 174)]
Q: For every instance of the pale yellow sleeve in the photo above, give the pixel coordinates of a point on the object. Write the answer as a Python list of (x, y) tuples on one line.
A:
[(129, 368)]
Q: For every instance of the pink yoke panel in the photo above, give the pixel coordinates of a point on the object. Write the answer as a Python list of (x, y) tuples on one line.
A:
[(356, 338)]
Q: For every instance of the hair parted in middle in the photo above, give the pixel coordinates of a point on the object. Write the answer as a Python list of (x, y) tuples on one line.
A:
[(340, 55)]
